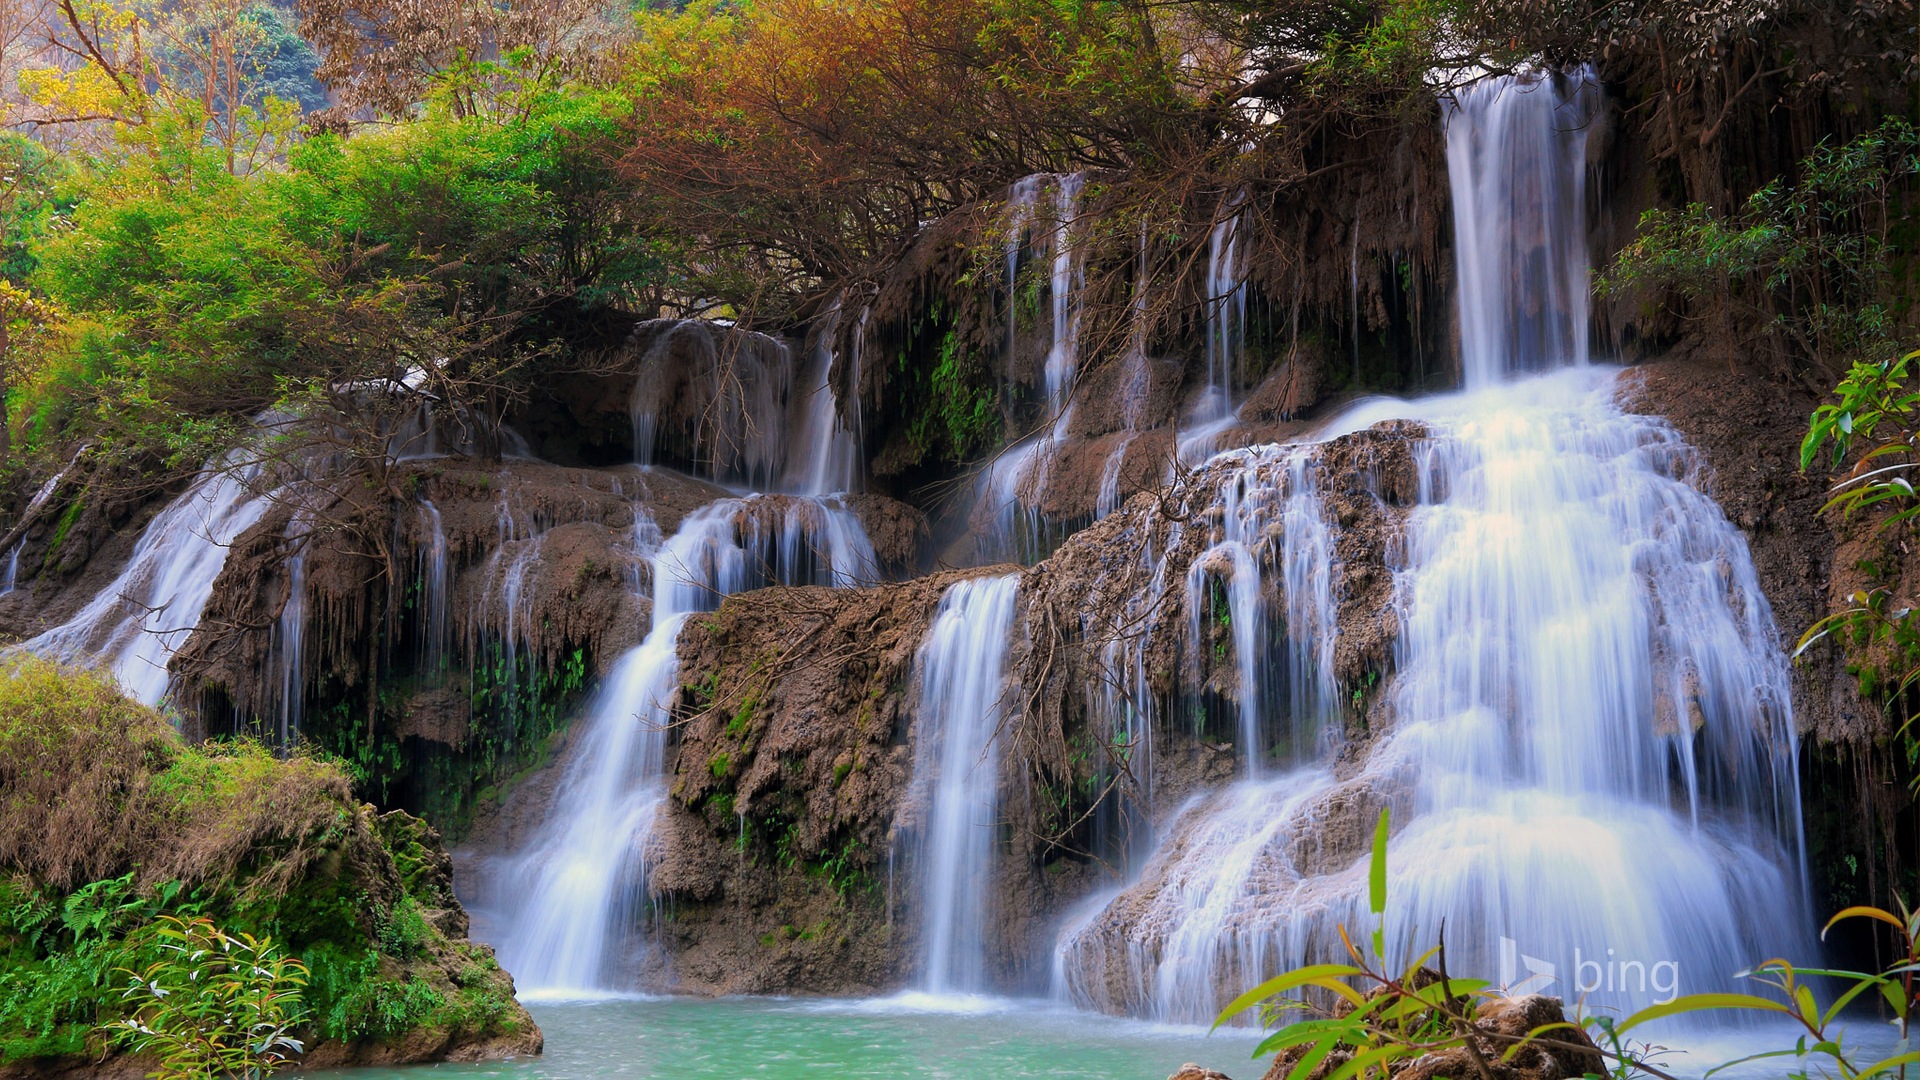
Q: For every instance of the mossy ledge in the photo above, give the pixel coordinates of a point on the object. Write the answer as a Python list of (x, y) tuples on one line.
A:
[(109, 819)]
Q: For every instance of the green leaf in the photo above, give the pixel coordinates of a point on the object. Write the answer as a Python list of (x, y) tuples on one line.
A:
[(1691, 1003), (1280, 984), (1377, 883)]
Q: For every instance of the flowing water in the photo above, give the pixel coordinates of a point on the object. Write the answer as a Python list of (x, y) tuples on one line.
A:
[(1012, 488), (956, 768), (132, 627), (1590, 752), (570, 908)]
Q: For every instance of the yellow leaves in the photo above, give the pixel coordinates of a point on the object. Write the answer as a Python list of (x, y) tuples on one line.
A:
[(87, 92)]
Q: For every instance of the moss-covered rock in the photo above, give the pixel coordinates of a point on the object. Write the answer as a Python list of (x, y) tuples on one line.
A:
[(108, 819)]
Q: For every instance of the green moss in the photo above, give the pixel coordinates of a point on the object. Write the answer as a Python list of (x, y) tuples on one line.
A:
[(61, 529), (720, 764)]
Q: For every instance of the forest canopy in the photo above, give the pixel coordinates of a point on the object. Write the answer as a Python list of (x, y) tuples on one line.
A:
[(214, 208)]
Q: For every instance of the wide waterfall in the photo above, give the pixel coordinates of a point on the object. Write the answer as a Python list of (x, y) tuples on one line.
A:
[(1589, 748), (963, 706), (572, 904)]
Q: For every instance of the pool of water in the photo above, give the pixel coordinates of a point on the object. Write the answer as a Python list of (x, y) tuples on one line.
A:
[(980, 1039), (944, 1039)]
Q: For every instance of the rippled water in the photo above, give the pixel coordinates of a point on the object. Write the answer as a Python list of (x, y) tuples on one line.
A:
[(690, 1039)]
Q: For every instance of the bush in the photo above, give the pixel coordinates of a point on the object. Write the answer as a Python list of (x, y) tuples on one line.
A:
[(214, 1004)]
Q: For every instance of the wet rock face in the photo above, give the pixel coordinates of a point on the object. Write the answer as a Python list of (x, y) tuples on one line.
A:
[(701, 396), (1746, 429), (1117, 591), (792, 758)]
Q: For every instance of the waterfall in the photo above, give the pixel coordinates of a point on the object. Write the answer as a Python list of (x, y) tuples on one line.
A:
[(825, 457), (957, 774), (1516, 159), (288, 662), (1271, 490), (12, 574), (1226, 302), (573, 902), (132, 627), (1586, 735), (713, 399), (1014, 487), (435, 600)]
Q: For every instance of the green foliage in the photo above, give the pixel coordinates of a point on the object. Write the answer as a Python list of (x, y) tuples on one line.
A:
[(260, 844), (1384, 1017), (215, 1004), (403, 933), (1807, 260), (197, 297), (950, 398), (1875, 422)]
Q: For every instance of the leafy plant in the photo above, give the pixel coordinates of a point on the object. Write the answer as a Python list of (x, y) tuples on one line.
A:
[(1381, 1017), (215, 1004), (1876, 416)]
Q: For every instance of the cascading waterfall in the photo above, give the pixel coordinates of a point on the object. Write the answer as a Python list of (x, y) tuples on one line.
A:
[(1136, 382), (1589, 743), (1017, 481), (963, 704), (828, 452), (1272, 490), (1215, 413), (1516, 160), (132, 627), (576, 896), (715, 399)]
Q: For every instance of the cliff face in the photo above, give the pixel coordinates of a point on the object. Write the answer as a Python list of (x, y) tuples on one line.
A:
[(442, 634)]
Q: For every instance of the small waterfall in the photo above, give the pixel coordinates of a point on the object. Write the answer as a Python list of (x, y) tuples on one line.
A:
[(1516, 158), (435, 601), (1136, 379), (957, 774), (1226, 314), (713, 399), (12, 573), (1587, 734), (1016, 484), (288, 663), (133, 625), (1272, 490), (573, 903), (825, 455)]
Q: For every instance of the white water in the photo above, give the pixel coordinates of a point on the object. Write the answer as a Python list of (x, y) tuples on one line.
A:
[(963, 704), (435, 600), (572, 905), (132, 627), (715, 399), (1013, 488), (288, 663), (1516, 160), (1589, 745), (1226, 301), (826, 456)]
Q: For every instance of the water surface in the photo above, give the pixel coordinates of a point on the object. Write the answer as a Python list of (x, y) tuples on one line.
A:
[(694, 1039)]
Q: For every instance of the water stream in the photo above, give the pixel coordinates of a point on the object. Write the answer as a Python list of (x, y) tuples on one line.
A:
[(571, 906), (963, 706), (132, 627), (1588, 744)]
